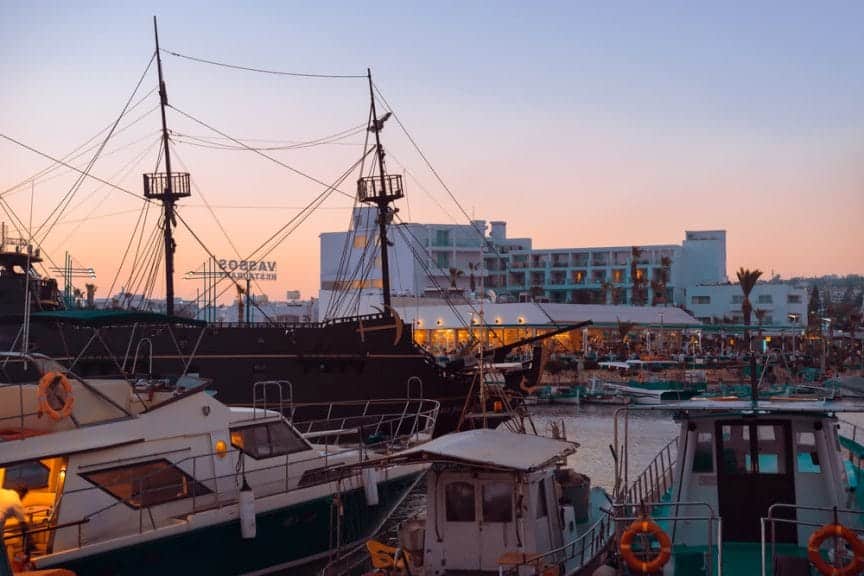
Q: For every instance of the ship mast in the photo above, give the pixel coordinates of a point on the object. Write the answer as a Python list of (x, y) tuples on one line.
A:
[(381, 191), (166, 187)]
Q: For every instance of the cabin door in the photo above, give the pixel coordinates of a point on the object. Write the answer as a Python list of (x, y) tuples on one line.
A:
[(459, 519), (497, 521), (755, 470)]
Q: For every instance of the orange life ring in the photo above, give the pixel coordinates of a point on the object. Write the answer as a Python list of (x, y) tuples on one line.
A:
[(835, 531), (48, 380), (645, 526)]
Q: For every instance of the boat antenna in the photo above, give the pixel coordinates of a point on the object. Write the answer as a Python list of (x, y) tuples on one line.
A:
[(167, 187), (381, 191)]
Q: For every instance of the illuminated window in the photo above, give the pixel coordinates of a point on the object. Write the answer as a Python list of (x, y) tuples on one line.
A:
[(360, 241), (267, 440), (146, 483), (617, 276)]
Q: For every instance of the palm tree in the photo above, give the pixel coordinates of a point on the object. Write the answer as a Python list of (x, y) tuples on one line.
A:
[(760, 318), (624, 329), (455, 274), (472, 268), (747, 280)]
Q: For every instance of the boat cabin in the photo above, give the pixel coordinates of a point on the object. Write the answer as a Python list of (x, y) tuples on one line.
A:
[(748, 476), (499, 500)]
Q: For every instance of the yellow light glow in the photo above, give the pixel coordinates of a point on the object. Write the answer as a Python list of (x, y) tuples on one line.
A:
[(221, 448)]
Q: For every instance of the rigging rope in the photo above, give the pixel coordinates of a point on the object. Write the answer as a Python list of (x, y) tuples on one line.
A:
[(260, 70), (260, 153), (67, 199)]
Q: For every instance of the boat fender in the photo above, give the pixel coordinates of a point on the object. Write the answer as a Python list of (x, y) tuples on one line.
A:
[(247, 512), (370, 478)]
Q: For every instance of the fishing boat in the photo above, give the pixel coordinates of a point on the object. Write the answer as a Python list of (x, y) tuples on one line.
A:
[(190, 484), (371, 356), (500, 502), (749, 487)]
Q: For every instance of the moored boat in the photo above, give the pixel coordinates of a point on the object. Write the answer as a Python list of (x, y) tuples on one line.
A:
[(749, 487), (500, 502), (190, 484)]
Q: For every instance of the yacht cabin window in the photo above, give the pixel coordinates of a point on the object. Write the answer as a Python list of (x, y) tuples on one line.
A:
[(268, 440), (459, 502), (497, 502), (146, 483), (807, 455), (33, 475), (703, 454), (542, 510), (749, 451)]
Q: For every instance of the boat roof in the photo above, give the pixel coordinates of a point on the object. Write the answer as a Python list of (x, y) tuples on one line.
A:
[(493, 449), (786, 405)]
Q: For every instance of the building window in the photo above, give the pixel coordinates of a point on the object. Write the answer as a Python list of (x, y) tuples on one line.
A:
[(497, 502), (793, 298), (147, 483), (33, 475), (765, 299), (617, 276), (360, 241), (442, 238), (268, 440), (737, 299), (700, 300), (442, 259), (459, 502)]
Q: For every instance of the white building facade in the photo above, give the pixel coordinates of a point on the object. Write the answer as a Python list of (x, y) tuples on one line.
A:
[(781, 304), (430, 259)]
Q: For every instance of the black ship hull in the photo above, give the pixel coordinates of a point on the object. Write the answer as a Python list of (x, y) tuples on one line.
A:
[(364, 358)]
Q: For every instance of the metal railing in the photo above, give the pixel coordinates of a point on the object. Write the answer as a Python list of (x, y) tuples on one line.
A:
[(626, 512), (399, 421), (657, 478), (831, 518), (585, 548)]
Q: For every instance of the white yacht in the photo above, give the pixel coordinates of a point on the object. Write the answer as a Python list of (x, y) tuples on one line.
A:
[(189, 484)]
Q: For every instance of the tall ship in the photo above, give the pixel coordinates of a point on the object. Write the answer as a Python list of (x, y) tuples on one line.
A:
[(349, 358)]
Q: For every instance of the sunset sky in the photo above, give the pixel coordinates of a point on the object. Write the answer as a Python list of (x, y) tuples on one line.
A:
[(580, 124)]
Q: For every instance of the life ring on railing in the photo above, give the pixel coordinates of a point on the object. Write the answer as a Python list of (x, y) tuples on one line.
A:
[(835, 531), (645, 526), (48, 381)]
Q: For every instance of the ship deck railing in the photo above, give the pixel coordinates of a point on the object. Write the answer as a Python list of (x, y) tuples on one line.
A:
[(657, 478), (354, 421), (668, 513), (832, 515), (580, 551)]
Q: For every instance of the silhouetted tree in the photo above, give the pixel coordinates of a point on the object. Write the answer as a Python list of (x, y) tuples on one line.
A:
[(747, 280)]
